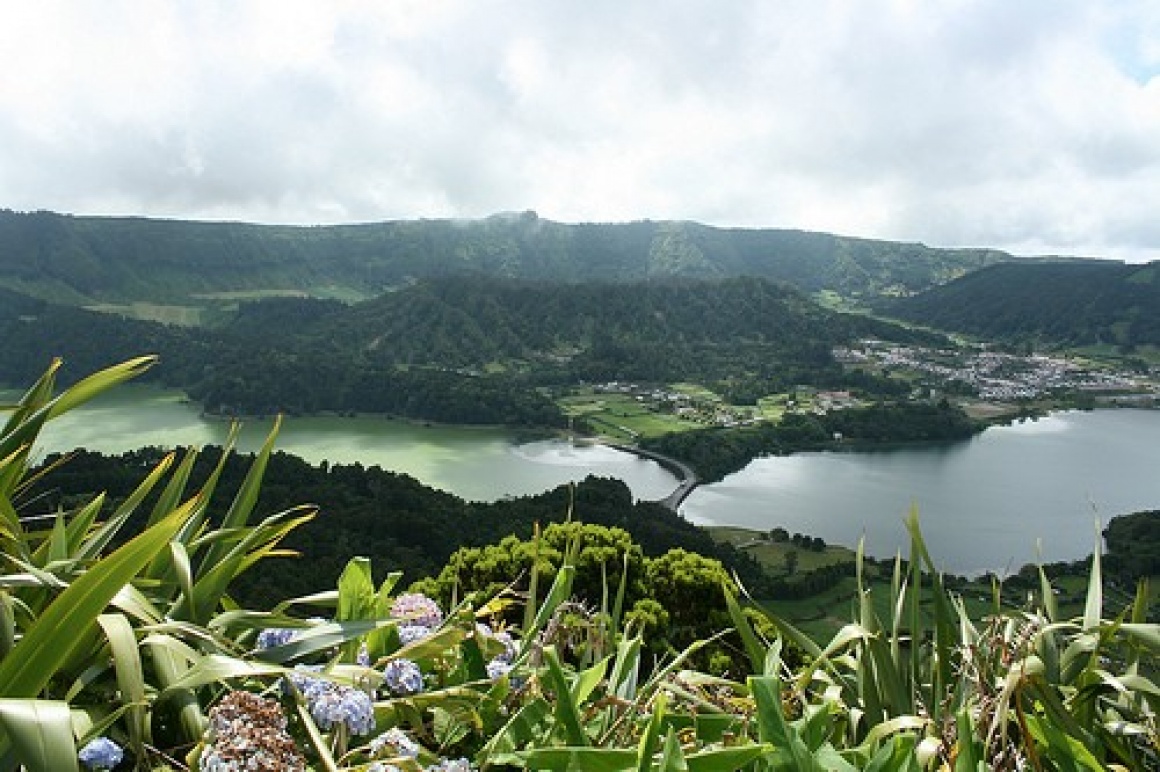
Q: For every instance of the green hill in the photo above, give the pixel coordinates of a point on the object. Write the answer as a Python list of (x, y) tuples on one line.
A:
[(89, 260), (460, 350), (1056, 304)]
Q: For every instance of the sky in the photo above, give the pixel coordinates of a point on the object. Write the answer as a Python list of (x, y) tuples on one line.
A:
[(1026, 125)]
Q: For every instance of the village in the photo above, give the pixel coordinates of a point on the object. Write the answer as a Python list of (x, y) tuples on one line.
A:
[(993, 381), (1003, 377)]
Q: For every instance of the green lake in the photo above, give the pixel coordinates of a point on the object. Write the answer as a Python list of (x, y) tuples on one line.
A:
[(985, 503)]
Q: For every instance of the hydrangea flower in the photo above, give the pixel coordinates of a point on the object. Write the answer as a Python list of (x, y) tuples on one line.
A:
[(248, 732), (403, 677), (418, 609), (411, 633), (100, 753), (307, 685), (342, 704), (452, 765), (275, 636), (394, 742), (364, 655), (381, 766), (510, 647), (497, 668)]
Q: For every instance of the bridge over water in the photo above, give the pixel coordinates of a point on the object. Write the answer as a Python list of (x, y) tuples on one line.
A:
[(683, 471)]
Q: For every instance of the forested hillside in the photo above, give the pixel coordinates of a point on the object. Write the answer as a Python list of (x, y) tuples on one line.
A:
[(83, 260), (461, 350), (405, 525), (1073, 304)]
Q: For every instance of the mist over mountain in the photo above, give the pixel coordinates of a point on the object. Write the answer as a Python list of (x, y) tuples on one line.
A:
[(85, 260)]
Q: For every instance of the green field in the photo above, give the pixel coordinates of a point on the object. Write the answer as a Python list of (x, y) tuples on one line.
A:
[(622, 416)]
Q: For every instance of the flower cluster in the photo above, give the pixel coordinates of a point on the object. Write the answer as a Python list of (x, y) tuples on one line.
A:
[(275, 636), (501, 664), (402, 677), (330, 703), (417, 609), (394, 743), (248, 732), (100, 753), (452, 765), (342, 704)]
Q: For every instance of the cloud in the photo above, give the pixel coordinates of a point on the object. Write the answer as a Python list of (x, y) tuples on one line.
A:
[(1032, 126)]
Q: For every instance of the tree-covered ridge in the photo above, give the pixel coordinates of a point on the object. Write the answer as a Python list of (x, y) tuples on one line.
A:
[(102, 259), (1068, 304), (459, 350)]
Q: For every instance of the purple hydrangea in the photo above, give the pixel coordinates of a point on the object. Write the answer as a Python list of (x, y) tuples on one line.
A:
[(451, 765), (100, 753), (307, 685), (394, 742), (343, 705), (510, 647), (418, 609), (275, 636), (498, 668), (403, 677), (410, 633)]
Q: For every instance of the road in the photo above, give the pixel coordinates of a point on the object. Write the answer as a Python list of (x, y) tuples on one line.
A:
[(683, 471)]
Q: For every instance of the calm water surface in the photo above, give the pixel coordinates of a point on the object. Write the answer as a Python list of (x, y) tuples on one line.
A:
[(478, 464), (983, 503)]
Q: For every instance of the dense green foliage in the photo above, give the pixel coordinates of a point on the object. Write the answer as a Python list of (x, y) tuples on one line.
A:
[(1052, 304), (90, 259), (1133, 543), (461, 350), (391, 517), (718, 451), (140, 651)]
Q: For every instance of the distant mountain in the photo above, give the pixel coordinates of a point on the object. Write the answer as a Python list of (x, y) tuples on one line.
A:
[(459, 349), (1065, 304), (88, 260)]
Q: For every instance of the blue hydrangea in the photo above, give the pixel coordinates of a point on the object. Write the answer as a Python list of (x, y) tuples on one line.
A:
[(343, 705), (394, 742), (307, 685), (411, 633), (451, 765), (403, 677), (418, 609), (380, 766), (498, 668), (275, 636), (100, 753), (510, 647)]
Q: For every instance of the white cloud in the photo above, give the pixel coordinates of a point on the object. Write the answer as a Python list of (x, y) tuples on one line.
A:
[(1028, 126)]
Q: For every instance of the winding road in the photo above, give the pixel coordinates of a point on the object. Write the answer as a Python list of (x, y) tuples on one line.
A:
[(683, 471)]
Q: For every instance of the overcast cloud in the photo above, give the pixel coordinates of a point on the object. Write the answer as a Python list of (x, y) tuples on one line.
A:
[(1029, 125)]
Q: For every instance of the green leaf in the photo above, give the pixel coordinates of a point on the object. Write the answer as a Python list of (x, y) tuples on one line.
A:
[(753, 648), (652, 732), (586, 759), (567, 711), (247, 496), (725, 759), (672, 757), (50, 641), (791, 751), (1094, 605), (130, 677), (40, 732)]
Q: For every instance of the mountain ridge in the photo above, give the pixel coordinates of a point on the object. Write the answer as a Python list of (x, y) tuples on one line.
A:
[(81, 259)]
